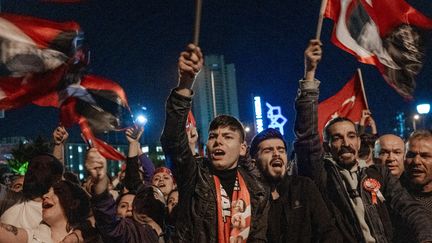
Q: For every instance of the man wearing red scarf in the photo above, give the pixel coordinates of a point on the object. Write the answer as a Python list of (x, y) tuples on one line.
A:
[(220, 195)]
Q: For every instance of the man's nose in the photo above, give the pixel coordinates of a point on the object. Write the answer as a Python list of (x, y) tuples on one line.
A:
[(417, 159), (218, 140), (391, 157)]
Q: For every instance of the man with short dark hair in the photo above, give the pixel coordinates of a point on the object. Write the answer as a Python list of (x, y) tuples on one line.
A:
[(390, 151), (356, 195), (220, 197), (297, 211), (418, 164)]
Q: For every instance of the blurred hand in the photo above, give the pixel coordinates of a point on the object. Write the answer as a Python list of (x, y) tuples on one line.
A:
[(189, 65), (133, 134), (60, 135), (192, 137), (96, 165), (312, 56)]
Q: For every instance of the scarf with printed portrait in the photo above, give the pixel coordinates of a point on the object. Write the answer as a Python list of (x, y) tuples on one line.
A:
[(234, 217)]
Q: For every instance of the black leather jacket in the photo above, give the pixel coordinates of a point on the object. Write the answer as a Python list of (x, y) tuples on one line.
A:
[(197, 214), (311, 162)]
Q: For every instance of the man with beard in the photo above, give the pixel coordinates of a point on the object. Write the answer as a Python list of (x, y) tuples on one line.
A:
[(297, 211), (356, 195), (211, 188)]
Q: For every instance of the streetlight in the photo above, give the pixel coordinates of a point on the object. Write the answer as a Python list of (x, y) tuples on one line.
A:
[(415, 118), (423, 110)]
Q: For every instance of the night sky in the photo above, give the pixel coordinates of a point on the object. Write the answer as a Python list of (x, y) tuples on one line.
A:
[(137, 43)]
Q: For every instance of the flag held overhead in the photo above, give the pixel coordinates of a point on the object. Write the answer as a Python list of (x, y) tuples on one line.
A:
[(384, 33), (349, 102)]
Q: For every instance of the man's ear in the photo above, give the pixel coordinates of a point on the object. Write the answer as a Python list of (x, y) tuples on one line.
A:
[(243, 149)]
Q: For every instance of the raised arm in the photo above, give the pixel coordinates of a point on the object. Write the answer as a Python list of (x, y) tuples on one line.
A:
[(174, 139), (307, 144), (60, 135), (412, 212)]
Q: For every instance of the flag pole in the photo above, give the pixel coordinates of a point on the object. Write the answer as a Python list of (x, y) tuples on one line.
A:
[(198, 8), (321, 19), (362, 87)]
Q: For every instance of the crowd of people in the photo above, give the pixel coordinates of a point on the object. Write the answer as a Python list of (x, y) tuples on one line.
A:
[(352, 185)]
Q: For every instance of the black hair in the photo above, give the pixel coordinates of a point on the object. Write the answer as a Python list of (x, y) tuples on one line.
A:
[(74, 201), (122, 195), (331, 123), (264, 135), (43, 171), (230, 122), (72, 177)]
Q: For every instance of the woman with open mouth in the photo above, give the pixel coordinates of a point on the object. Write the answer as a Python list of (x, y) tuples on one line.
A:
[(65, 209)]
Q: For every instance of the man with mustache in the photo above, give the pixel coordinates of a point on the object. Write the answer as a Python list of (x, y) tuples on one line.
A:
[(418, 164), (356, 195), (210, 187), (297, 211)]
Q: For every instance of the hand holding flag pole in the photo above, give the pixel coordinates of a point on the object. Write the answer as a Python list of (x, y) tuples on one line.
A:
[(321, 19), (198, 7)]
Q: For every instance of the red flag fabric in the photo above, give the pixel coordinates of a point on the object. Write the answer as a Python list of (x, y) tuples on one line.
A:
[(190, 120), (97, 105), (348, 102), (384, 33), (36, 54)]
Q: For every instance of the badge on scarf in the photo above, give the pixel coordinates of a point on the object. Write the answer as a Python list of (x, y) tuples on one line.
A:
[(371, 185)]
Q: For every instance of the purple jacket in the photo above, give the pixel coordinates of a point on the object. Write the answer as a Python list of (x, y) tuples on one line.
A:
[(114, 229)]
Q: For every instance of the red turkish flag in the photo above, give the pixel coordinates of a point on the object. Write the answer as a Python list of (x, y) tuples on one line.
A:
[(348, 102), (385, 33)]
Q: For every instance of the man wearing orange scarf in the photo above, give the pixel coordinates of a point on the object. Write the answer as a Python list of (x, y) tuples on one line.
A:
[(221, 198)]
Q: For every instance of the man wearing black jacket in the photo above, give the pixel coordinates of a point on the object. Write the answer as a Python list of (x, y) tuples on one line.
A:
[(220, 197), (297, 211), (357, 196)]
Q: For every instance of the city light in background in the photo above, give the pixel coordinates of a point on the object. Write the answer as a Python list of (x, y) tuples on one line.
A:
[(423, 109)]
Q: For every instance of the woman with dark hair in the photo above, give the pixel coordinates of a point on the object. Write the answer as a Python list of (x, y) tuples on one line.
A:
[(24, 209), (124, 204), (65, 209)]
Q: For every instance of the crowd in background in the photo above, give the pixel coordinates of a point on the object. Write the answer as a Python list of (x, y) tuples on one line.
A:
[(352, 185)]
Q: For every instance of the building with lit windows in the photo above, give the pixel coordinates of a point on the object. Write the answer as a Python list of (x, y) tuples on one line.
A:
[(75, 159), (215, 93)]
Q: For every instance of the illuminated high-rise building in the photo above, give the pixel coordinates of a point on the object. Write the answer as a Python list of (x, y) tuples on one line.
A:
[(215, 93)]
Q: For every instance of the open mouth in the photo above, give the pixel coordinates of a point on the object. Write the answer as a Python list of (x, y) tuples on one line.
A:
[(161, 185), (46, 205), (276, 163), (218, 153)]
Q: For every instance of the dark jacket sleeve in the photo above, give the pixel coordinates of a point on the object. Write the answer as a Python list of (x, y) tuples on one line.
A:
[(132, 180), (320, 216), (175, 142), (114, 229), (148, 167), (409, 209), (307, 144)]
